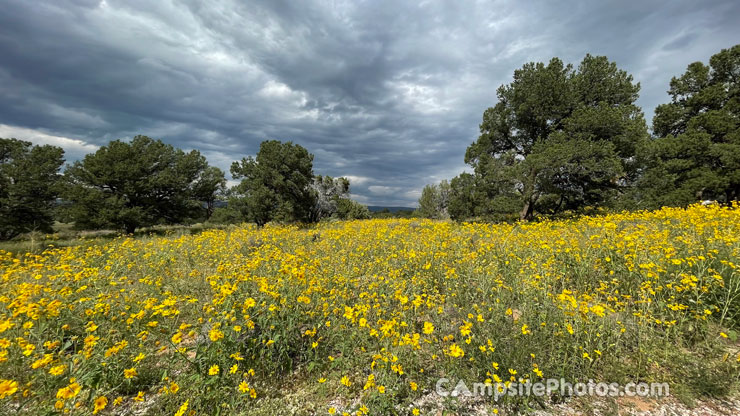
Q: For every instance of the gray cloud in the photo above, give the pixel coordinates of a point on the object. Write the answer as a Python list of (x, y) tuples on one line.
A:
[(388, 93)]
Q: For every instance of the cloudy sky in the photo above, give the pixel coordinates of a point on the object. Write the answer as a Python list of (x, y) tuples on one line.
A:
[(387, 93)]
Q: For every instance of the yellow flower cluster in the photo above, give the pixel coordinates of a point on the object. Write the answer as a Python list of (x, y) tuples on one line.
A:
[(375, 309)]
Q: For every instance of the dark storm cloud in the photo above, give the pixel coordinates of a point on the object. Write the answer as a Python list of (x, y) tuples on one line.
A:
[(387, 93)]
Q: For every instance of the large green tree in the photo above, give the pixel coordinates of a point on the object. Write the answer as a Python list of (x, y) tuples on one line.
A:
[(697, 151), (126, 185), (558, 138), (29, 184), (276, 184)]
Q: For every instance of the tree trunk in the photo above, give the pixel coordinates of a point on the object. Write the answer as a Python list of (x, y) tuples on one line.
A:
[(526, 211), (209, 209), (560, 204), (529, 196)]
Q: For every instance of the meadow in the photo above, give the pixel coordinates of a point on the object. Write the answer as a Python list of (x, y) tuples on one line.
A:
[(363, 317)]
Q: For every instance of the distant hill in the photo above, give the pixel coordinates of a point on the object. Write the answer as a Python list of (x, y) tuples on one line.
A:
[(375, 208)]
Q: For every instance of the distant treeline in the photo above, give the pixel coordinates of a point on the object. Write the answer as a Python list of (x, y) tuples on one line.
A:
[(564, 139), (145, 182)]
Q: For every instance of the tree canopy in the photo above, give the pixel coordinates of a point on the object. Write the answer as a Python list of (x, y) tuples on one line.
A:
[(127, 185), (209, 187), (558, 138), (434, 201), (29, 185), (275, 185), (697, 151)]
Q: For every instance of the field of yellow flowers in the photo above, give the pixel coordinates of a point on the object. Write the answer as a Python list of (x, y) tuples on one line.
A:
[(363, 317)]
